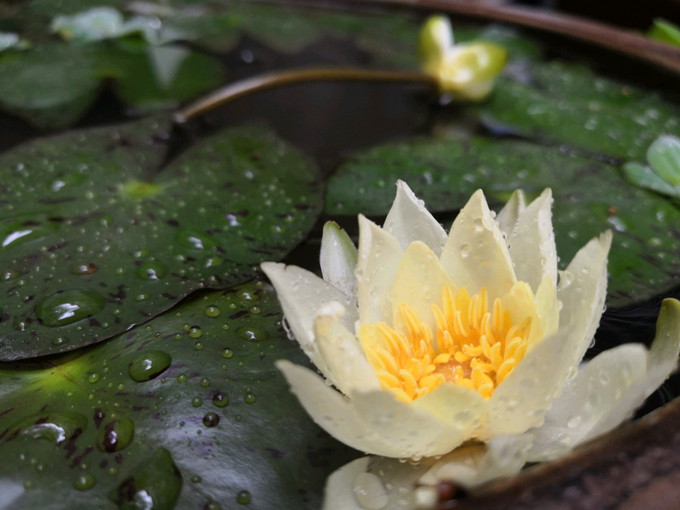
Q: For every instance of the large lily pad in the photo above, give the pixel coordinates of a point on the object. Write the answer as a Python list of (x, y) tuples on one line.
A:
[(187, 412), (590, 197), (95, 238), (568, 103)]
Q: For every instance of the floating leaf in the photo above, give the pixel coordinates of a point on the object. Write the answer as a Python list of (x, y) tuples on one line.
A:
[(664, 31), (566, 103), (94, 239), (590, 197), (49, 85), (209, 424)]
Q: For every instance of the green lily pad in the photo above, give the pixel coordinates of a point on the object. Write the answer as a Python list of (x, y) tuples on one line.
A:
[(185, 412), (566, 103), (50, 85), (94, 238), (149, 77), (590, 197)]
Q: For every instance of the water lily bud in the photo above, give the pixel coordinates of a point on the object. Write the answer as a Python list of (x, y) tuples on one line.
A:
[(465, 71)]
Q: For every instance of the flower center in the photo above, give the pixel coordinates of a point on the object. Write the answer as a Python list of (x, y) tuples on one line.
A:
[(473, 347)]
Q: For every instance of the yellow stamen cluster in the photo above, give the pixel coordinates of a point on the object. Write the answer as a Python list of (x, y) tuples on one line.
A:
[(474, 347)]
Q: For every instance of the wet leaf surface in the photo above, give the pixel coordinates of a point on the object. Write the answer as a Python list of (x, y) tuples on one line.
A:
[(95, 238), (187, 410), (568, 103), (590, 197)]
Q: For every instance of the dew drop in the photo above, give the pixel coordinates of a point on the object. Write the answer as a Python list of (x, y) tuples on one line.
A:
[(249, 398), (212, 311), (152, 271), (211, 419), (243, 498), (116, 435), (84, 269), (84, 481), (465, 250), (369, 491), (252, 334), (181, 378), (66, 307), (93, 377), (197, 402), (220, 399), (149, 365), (195, 332), (227, 353)]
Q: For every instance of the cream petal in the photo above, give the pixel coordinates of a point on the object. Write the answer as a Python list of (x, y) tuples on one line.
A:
[(419, 283), (374, 422), (339, 491), (587, 399), (461, 407), (410, 431), (342, 352), (338, 258), (409, 220), (375, 482), (522, 399), (662, 360), (377, 263), (507, 217), (475, 464), (547, 308), (532, 243), (582, 290), (301, 294), (476, 254)]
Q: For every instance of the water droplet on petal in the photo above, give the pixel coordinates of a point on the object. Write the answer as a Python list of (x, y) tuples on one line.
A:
[(369, 491)]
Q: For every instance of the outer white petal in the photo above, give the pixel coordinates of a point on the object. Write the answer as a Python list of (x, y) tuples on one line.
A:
[(378, 483), (342, 353), (476, 254), (532, 243), (476, 464), (338, 258), (662, 360), (301, 294), (379, 258), (507, 217), (409, 220), (582, 291), (373, 422), (339, 492), (588, 398), (419, 283)]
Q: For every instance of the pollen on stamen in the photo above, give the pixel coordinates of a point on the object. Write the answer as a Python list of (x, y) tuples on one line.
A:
[(473, 346)]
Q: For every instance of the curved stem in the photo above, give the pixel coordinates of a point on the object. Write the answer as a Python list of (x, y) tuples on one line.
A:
[(280, 78)]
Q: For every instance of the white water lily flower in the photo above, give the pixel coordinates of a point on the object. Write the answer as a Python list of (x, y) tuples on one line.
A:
[(605, 392), (425, 341)]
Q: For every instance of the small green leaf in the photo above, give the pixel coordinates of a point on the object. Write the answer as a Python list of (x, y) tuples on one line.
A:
[(664, 31), (644, 177), (664, 157)]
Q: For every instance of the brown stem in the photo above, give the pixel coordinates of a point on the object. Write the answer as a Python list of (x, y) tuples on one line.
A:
[(607, 36), (279, 78)]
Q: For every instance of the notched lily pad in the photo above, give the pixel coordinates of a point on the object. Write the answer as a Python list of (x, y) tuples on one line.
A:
[(94, 238), (216, 426), (590, 197)]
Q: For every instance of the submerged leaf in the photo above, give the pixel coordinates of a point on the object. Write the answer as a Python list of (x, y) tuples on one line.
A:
[(215, 424), (94, 238)]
